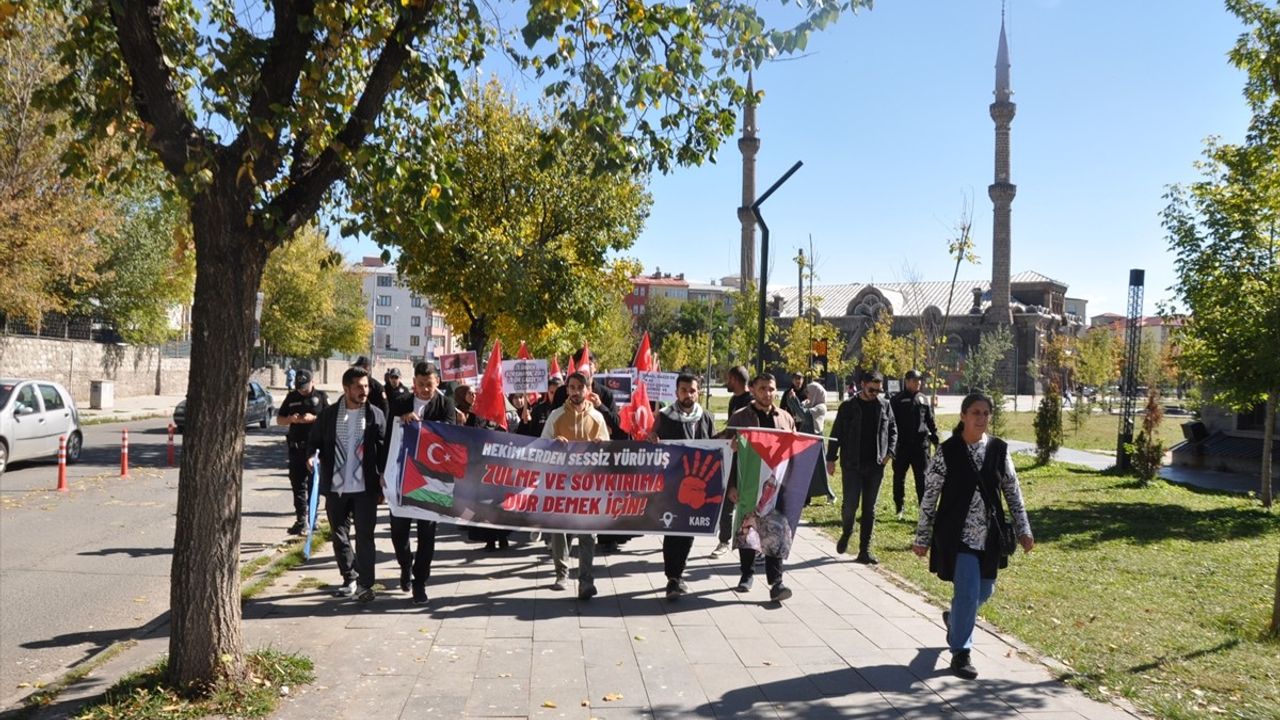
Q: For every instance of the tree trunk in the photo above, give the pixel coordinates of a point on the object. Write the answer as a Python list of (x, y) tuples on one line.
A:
[(478, 336), (1268, 442), (1275, 607), (205, 642)]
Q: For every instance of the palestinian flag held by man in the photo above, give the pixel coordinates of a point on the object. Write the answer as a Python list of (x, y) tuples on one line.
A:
[(774, 470)]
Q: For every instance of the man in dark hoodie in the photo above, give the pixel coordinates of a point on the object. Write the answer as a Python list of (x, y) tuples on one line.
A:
[(682, 420), (377, 394)]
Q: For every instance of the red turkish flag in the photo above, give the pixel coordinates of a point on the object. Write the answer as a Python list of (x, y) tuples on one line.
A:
[(491, 401), (636, 418), (555, 365), (438, 456), (572, 368), (643, 360), (523, 352)]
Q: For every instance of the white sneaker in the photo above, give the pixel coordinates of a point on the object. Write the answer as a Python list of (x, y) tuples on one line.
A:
[(347, 590), (535, 536), (721, 549)]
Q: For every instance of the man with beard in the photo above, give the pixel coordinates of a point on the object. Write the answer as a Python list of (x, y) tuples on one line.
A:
[(682, 420), (576, 419), (351, 438), (760, 413), (377, 394), (863, 437), (425, 403)]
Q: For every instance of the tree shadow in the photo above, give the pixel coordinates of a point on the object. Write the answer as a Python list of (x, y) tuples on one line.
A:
[(131, 552), (1083, 524), (1165, 659)]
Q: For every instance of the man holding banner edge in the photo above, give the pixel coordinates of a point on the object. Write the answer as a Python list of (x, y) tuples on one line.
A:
[(683, 420)]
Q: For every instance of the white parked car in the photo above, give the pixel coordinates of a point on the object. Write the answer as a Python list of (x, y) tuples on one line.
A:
[(33, 413)]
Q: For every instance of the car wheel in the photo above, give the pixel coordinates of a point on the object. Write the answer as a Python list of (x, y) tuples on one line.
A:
[(4, 456), (75, 443)]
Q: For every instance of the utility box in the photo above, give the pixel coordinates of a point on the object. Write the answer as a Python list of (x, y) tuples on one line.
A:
[(102, 394)]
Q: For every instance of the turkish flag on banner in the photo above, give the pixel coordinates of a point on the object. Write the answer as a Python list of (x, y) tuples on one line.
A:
[(491, 401), (636, 418), (437, 456)]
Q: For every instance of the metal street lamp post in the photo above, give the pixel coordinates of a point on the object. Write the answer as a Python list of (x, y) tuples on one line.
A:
[(764, 261)]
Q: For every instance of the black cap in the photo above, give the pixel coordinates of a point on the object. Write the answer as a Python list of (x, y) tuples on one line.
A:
[(303, 377), (393, 372), (913, 375), (362, 361)]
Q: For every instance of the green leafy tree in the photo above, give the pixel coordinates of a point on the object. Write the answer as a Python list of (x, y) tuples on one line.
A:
[(1146, 451), (884, 352), (1048, 424), (979, 371), (660, 317), (684, 352), (744, 324), (532, 230), (259, 127), (1098, 358), (149, 267), (796, 346), (312, 305), (42, 213)]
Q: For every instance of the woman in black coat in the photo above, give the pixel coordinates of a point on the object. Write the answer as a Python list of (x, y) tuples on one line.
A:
[(955, 530)]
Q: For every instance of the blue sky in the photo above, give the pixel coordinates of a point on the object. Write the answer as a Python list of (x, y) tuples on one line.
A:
[(888, 111)]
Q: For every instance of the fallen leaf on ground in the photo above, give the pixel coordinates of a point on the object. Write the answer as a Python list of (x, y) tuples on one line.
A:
[(549, 704), (613, 697)]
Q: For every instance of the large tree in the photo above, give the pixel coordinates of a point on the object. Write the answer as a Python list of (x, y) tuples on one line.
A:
[(258, 111), (534, 222), (313, 304)]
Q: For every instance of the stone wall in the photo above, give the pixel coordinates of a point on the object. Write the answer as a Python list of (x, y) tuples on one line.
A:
[(75, 363)]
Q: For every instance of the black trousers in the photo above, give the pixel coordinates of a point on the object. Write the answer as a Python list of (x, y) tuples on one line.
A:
[(772, 565), (420, 560), (726, 521), (299, 479), (916, 459), (675, 554), (362, 508), (861, 485)]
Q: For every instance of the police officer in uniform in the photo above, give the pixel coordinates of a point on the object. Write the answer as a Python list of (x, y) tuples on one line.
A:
[(299, 410), (394, 389), (913, 414)]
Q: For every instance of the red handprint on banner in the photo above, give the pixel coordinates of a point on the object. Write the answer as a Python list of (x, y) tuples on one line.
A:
[(693, 488)]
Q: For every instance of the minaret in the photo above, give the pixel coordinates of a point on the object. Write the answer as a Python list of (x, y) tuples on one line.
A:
[(1001, 191), (749, 144)]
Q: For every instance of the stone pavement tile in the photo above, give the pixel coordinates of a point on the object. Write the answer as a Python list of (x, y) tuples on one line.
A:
[(850, 644), (733, 693), (785, 686), (363, 697), (606, 646), (794, 635), (674, 690), (460, 636), (558, 675), (444, 661), (622, 678), (706, 646), (814, 656), (438, 696), (1053, 715), (611, 711), (737, 620), (498, 697), (457, 619), (506, 657), (834, 680), (887, 635), (563, 626), (765, 611), (502, 626), (924, 631), (818, 615), (683, 612), (759, 651), (860, 705)]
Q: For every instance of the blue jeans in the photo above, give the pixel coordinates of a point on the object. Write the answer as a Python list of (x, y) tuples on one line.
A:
[(970, 591)]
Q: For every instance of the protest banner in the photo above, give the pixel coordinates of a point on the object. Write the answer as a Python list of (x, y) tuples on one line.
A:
[(459, 367), (457, 474), (619, 384), (524, 376), (774, 471), (660, 385)]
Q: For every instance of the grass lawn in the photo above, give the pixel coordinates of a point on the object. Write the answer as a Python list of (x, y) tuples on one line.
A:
[(1097, 431), (1159, 594)]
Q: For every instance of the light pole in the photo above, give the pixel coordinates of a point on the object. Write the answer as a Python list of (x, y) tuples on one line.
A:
[(764, 262)]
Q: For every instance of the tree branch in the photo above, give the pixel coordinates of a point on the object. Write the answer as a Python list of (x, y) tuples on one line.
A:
[(276, 83), (158, 101), (300, 201)]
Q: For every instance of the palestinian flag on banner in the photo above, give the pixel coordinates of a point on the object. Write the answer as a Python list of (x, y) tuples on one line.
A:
[(775, 468), (428, 469)]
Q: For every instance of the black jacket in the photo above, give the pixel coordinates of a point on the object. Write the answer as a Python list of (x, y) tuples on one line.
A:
[(914, 416), (438, 409), (377, 395), (324, 437), (396, 393), (846, 433), (953, 506)]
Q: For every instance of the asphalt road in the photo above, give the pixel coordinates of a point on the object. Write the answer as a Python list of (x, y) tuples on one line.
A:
[(82, 569)]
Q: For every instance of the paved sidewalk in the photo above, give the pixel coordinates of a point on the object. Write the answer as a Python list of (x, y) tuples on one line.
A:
[(497, 642), (134, 407)]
